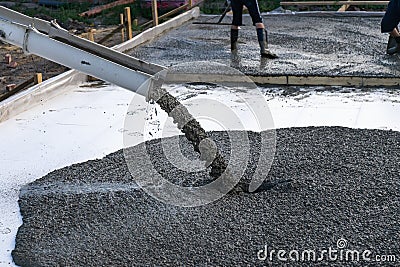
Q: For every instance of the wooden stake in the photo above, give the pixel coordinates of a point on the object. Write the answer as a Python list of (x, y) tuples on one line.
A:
[(121, 19), (91, 35), (18, 88), (8, 59), (10, 87), (38, 78), (190, 3), (128, 19), (343, 8), (154, 11), (135, 23)]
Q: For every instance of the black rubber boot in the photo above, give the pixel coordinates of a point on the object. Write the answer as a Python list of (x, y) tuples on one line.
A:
[(263, 41), (393, 45), (234, 39)]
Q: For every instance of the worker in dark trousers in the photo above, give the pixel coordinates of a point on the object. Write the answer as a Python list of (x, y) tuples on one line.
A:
[(389, 25), (254, 11)]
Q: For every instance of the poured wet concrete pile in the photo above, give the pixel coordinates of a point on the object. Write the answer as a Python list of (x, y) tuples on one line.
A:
[(306, 45), (338, 183)]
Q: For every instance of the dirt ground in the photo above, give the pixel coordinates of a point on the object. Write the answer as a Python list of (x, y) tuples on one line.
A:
[(27, 66)]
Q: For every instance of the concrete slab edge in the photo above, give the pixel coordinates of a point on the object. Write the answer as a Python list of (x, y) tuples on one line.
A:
[(59, 84), (369, 14), (287, 80), (39, 93), (356, 81), (327, 13)]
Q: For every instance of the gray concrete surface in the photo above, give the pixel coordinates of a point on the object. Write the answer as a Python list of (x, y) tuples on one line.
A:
[(344, 184), (307, 45)]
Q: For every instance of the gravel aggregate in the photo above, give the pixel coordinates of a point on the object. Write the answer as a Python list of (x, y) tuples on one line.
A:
[(327, 183)]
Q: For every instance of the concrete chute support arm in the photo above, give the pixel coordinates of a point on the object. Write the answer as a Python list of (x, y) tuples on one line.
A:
[(50, 41)]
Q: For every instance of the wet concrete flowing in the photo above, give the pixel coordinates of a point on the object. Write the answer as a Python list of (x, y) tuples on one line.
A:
[(326, 184), (191, 128)]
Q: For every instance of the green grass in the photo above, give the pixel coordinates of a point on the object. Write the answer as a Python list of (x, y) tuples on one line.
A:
[(69, 11), (266, 5), (61, 13)]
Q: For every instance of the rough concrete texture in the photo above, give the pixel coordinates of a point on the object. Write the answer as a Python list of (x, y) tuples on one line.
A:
[(342, 183), (306, 45)]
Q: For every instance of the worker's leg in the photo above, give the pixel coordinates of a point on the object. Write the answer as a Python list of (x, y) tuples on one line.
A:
[(393, 45), (234, 37), (389, 25), (262, 36), (237, 10), (395, 33)]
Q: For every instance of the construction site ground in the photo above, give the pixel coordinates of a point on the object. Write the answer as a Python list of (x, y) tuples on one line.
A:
[(334, 45), (337, 157)]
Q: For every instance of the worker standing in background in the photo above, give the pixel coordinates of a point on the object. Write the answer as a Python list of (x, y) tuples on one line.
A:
[(254, 11), (389, 25)]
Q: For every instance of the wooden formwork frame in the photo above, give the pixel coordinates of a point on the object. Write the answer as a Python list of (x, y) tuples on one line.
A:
[(127, 23)]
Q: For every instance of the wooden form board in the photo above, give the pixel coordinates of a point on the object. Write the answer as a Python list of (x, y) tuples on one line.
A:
[(99, 9)]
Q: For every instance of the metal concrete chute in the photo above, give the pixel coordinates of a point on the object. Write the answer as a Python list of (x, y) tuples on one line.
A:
[(50, 41), (11, 15)]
